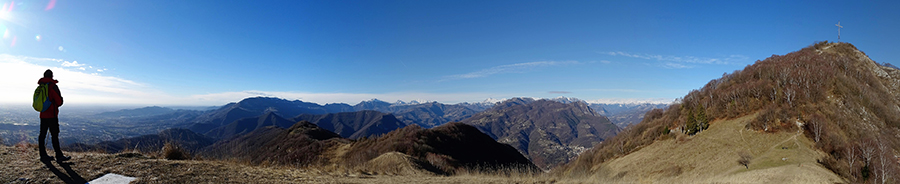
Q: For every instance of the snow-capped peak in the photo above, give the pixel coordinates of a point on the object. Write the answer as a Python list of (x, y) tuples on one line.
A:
[(412, 102), (493, 100), (563, 99)]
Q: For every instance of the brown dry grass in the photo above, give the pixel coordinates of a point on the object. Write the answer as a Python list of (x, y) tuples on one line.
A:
[(19, 164), (711, 157), (173, 151)]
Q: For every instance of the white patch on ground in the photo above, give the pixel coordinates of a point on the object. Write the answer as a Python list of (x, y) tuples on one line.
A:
[(111, 178)]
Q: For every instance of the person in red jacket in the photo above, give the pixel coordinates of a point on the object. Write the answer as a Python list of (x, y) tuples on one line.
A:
[(50, 118)]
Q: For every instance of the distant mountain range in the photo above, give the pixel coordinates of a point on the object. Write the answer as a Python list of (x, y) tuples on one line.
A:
[(423, 114), (547, 131), (139, 112), (252, 107), (624, 115)]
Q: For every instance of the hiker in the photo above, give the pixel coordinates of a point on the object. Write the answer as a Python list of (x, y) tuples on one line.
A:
[(50, 118)]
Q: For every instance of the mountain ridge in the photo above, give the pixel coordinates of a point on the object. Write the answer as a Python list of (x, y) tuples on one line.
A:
[(548, 132), (433, 150), (829, 101), (354, 125)]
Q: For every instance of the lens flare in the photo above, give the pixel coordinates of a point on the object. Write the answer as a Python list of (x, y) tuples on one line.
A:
[(9, 7), (38, 37), (50, 5)]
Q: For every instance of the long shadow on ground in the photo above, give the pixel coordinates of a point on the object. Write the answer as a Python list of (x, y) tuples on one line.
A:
[(69, 177)]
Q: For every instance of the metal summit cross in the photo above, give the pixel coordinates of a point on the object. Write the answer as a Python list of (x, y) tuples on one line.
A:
[(839, 30)]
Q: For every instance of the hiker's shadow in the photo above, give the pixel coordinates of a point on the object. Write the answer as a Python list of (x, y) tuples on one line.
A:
[(69, 177)]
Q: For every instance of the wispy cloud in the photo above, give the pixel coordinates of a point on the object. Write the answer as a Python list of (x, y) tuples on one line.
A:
[(72, 64), (510, 68), (20, 75), (678, 61), (675, 65)]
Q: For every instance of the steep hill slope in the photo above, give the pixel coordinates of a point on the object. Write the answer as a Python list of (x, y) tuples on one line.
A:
[(246, 125), (354, 124), (434, 151), (448, 149), (300, 144), (547, 132), (838, 107)]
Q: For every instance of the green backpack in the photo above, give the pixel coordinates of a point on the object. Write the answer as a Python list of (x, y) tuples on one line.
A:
[(41, 99)]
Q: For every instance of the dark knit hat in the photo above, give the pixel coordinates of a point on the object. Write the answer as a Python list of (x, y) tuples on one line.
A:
[(48, 74)]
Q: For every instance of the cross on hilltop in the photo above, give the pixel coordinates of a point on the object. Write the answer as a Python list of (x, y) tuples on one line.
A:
[(839, 30)]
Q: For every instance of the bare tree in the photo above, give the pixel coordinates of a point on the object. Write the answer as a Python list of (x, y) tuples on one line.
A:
[(620, 146), (789, 95), (867, 150), (882, 154), (851, 155), (774, 94), (817, 129), (744, 159), (756, 91)]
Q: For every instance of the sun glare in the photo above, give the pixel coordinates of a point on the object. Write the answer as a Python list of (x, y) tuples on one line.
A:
[(5, 15)]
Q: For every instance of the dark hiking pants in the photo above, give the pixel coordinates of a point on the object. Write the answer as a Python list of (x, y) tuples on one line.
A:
[(51, 124)]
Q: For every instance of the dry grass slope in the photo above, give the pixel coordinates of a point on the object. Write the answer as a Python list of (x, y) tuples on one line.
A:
[(712, 157)]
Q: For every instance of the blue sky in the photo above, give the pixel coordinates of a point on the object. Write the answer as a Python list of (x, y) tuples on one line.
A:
[(214, 52)]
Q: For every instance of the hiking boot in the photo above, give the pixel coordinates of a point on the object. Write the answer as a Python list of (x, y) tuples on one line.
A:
[(60, 159)]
